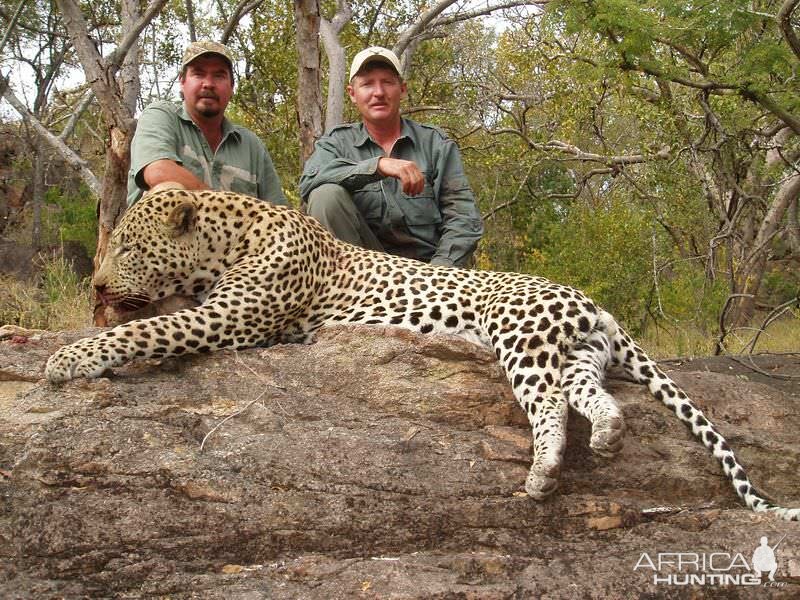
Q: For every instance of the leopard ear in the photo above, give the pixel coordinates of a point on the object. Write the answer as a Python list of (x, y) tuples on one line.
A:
[(182, 219)]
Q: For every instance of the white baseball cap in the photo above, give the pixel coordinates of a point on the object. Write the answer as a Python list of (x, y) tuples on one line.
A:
[(374, 54)]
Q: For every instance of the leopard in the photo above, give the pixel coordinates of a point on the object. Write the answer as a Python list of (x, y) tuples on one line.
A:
[(264, 274)]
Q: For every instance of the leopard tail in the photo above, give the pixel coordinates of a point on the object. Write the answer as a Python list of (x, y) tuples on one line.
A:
[(644, 370)]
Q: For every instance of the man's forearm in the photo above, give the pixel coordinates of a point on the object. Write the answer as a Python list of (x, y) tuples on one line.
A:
[(164, 170)]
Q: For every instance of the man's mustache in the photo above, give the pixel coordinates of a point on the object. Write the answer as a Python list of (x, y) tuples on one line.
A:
[(211, 95)]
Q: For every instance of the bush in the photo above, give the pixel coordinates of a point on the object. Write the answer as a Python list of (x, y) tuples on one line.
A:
[(606, 252), (59, 300), (76, 219)]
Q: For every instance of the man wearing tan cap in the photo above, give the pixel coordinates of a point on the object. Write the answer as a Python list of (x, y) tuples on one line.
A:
[(193, 144), (389, 183)]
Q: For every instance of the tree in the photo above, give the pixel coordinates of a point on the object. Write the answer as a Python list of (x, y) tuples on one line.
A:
[(736, 68), (38, 43)]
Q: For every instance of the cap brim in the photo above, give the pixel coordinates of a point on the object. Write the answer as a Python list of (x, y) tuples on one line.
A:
[(373, 60)]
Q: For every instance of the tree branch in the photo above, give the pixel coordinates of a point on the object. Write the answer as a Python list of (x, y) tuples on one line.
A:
[(84, 103), (784, 18), (99, 71), (190, 20), (581, 155), (118, 55), (11, 25), (243, 8), (718, 87), (419, 25), (64, 151), (460, 16), (773, 107), (337, 67)]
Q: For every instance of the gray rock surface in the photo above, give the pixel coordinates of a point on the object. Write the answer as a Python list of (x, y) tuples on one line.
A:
[(374, 463)]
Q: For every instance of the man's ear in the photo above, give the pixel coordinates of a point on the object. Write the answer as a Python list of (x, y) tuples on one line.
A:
[(351, 93), (182, 219)]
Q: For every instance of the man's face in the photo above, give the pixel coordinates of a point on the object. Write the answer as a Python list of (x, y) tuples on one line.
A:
[(207, 86), (377, 91)]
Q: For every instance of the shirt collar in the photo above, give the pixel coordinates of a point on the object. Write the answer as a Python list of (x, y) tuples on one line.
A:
[(362, 135), (228, 128)]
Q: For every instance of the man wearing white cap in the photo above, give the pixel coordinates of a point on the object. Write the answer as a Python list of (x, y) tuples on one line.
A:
[(389, 183), (193, 144)]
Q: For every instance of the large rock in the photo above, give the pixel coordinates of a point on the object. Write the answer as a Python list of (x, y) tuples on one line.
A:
[(374, 463)]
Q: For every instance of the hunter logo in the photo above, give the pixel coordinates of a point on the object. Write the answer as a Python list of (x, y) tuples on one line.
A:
[(713, 568)]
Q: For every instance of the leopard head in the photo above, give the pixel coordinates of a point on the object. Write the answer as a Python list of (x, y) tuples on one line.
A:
[(152, 253)]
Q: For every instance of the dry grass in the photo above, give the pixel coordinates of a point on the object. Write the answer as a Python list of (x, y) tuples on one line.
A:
[(58, 301), (781, 336)]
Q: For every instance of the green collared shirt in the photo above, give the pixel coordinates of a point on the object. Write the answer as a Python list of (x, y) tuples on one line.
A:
[(441, 225), (240, 164)]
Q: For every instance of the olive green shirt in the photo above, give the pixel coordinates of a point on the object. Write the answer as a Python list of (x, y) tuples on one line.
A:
[(441, 225), (240, 164)]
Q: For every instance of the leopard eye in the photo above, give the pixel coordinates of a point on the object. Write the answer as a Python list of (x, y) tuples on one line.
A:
[(124, 248)]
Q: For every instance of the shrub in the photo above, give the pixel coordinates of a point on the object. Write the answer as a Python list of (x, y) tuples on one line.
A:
[(75, 219), (59, 300), (605, 252)]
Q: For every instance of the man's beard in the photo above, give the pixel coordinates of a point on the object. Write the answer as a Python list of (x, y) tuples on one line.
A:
[(208, 111)]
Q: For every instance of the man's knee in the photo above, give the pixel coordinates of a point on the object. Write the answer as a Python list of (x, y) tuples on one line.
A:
[(329, 200), (333, 207)]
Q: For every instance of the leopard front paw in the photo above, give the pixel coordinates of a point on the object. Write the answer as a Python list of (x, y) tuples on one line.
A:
[(73, 361)]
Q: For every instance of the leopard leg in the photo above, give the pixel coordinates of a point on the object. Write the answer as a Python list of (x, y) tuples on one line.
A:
[(535, 380), (548, 418), (583, 387)]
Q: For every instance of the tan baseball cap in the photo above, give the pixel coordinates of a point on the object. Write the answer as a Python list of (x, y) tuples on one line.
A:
[(374, 54), (196, 49)]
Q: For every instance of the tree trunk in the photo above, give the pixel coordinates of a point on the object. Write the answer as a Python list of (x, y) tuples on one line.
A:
[(751, 274), (116, 96), (337, 63), (309, 88), (114, 193), (39, 165)]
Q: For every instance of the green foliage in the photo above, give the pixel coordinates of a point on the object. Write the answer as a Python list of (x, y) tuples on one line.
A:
[(606, 252), (686, 296), (782, 283), (265, 99), (73, 219)]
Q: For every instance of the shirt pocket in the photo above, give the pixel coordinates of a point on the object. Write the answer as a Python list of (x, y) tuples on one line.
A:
[(370, 202), (422, 215), (236, 179), (197, 167)]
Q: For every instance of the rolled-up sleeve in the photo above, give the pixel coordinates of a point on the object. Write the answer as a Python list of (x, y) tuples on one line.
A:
[(155, 139)]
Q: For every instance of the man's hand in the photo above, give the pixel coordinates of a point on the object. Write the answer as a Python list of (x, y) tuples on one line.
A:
[(411, 178)]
